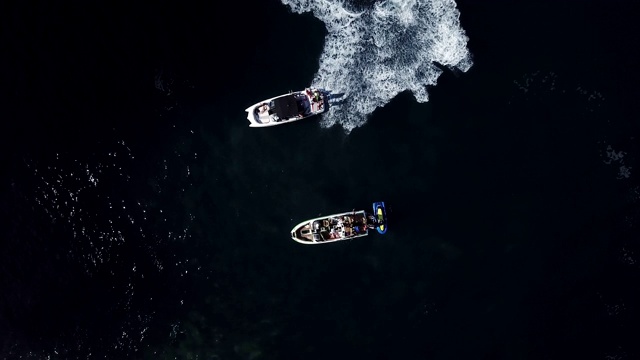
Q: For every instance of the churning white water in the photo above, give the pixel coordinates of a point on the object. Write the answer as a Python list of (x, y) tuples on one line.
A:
[(376, 50)]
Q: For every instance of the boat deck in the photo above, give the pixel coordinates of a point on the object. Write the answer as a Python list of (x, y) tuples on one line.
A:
[(332, 228)]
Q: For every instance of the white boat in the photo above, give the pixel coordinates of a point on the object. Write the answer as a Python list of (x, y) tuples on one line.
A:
[(287, 108), (338, 227)]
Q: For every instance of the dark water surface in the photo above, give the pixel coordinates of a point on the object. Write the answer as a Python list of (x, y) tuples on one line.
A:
[(143, 218)]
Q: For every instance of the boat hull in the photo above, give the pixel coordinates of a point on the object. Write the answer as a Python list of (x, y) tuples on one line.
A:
[(331, 228), (287, 108)]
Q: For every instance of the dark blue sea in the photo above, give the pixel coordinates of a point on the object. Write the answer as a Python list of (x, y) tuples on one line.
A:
[(142, 218)]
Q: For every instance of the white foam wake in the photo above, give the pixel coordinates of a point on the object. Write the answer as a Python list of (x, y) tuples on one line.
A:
[(374, 52)]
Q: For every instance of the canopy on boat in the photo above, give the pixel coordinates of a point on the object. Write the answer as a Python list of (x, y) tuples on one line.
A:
[(288, 106)]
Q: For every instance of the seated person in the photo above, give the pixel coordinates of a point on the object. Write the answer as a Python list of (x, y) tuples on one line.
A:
[(262, 108)]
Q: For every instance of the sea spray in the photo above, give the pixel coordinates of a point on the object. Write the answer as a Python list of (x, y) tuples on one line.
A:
[(375, 50)]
